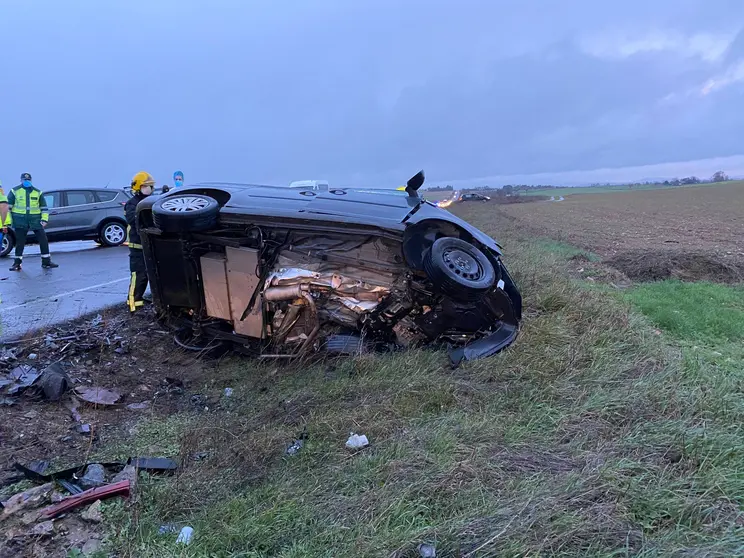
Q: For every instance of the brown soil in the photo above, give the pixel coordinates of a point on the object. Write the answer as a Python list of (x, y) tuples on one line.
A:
[(131, 355), (689, 233)]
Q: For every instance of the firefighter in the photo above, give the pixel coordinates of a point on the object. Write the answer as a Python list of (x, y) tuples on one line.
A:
[(142, 186), (28, 209)]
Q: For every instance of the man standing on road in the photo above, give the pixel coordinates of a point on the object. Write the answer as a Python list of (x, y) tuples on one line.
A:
[(142, 186), (28, 209)]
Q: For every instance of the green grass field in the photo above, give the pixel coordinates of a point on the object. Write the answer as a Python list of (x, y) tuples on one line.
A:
[(613, 427)]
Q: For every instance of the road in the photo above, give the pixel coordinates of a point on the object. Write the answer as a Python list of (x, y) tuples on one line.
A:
[(88, 278)]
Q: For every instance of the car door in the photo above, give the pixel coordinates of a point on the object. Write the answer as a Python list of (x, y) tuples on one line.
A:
[(77, 215), (53, 201)]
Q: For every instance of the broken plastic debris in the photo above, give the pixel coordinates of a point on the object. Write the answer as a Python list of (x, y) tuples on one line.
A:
[(295, 447), (54, 382), (184, 537), (427, 551), (97, 395), (228, 392), (357, 441), (33, 356)]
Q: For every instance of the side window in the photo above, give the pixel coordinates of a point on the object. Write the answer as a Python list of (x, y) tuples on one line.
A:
[(79, 197), (104, 196), (52, 199)]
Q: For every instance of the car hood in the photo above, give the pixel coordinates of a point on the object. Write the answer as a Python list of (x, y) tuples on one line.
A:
[(386, 209)]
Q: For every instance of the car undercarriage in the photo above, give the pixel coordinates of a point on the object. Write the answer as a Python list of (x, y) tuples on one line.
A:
[(283, 288)]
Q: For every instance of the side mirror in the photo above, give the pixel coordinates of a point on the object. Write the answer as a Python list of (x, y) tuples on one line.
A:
[(414, 183)]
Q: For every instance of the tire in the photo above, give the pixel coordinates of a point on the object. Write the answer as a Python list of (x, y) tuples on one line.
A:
[(458, 269), (7, 245), (185, 213), (113, 233)]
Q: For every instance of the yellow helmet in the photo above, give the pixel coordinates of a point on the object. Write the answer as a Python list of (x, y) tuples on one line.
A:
[(140, 179)]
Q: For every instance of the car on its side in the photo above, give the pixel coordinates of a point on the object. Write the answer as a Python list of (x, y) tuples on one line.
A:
[(474, 196), (77, 213), (285, 273)]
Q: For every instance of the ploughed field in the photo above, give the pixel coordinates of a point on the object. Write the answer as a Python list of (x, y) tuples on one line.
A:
[(693, 232)]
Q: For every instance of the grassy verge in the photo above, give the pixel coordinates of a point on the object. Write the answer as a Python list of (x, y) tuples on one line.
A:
[(589, 437)]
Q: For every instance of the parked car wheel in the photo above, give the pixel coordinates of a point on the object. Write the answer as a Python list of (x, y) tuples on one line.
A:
[(185, 212), (459, 269), (113, 233), (6, 246)]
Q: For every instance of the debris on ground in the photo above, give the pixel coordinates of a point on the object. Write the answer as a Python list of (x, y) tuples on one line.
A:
[(19, 379), (427, 551), (95, 475), (93, 513), (102, 492), (295, 447), (97, 395), (184, 537), (129, 472), (28, 499), (53, 382), (228, 392), (357, 441), (153, 464), (167, 529)]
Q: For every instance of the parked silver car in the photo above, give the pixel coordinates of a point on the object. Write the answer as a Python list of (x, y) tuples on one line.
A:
[(81, 214)]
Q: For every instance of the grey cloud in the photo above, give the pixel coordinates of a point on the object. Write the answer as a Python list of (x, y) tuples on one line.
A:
[(357, 92)]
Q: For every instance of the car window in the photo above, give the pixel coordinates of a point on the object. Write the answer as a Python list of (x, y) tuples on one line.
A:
[(79, 197), (105, 196), (52, 199)]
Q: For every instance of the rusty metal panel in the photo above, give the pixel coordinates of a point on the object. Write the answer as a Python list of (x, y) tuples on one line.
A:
[(214, 278), (242, 283)]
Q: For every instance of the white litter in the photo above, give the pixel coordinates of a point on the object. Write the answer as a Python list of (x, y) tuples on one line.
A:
[(357, 441)]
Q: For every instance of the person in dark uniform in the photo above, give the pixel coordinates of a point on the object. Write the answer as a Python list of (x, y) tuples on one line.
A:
[(29, 212), (142, 186)]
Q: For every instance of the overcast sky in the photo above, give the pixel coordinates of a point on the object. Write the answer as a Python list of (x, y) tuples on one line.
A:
[(366, 91)]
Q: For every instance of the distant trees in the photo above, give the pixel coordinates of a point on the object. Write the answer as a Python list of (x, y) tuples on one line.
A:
[(720, 176)]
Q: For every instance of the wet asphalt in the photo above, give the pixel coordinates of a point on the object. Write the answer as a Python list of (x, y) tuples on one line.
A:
[(89, 278)]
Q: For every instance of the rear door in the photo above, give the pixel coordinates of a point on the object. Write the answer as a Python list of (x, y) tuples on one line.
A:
[(53, 201), (79, 212)]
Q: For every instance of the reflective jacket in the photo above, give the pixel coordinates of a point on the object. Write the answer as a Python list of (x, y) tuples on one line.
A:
[(130, 211), (4, 200), (27, 207)]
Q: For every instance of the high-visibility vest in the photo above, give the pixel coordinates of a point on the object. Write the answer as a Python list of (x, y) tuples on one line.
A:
[(4, 199), (28, 205)]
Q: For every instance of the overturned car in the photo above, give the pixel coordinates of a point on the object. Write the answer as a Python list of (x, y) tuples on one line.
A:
[(286, 273)]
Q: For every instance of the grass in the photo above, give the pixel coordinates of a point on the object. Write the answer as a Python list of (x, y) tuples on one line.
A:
[(591, 436), (699, 312)]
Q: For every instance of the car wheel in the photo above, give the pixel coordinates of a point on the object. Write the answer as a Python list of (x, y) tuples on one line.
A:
[(112, 234), (459, 269), (185, 213), (6, 246)]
